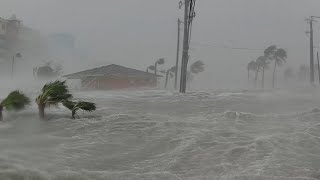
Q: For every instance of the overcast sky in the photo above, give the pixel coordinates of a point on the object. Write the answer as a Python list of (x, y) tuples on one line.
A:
[(136, 32)]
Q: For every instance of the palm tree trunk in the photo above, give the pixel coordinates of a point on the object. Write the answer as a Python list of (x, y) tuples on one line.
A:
[(256, 79), (1, 117), (167, 76), (248, 78), (73, 114), (41, 108), (274, 74), (155, 68), (262, 82)]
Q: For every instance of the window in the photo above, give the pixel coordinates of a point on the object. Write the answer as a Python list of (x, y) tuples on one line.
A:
[(3, 27)]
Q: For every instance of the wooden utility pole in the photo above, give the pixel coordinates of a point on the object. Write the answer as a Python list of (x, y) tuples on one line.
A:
[(189, 14), (318, 66), (311, 52), (310, 21), (177, 60)]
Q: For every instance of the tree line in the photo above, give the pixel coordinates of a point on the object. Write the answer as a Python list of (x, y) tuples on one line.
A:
[(272, 54), (195, 68)]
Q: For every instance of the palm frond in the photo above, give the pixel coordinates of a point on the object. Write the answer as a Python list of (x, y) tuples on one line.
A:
[(53, 93), (270, 51), (197, 67), (152, 68), (83, 105), (15, 101), (280, 56), (69, 104), (160, 61), (86, 106)]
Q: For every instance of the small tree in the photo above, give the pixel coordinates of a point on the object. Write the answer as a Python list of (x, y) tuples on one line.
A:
[(170, 72), (158, 62), (80, 105), (252, 66), (52, 93), (263, 64), (14, 101)]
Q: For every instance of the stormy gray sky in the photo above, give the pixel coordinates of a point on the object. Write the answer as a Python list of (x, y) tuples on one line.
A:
[(136, 32)]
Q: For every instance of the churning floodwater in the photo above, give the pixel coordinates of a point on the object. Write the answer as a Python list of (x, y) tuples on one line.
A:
[(158, 135)]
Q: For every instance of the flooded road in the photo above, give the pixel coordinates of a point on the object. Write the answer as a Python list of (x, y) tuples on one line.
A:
[(163, 135)]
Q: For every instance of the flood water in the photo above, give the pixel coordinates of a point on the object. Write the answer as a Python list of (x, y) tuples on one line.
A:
[(157, 135)]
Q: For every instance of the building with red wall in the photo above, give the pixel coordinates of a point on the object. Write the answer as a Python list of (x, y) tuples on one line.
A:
[(114, 77)]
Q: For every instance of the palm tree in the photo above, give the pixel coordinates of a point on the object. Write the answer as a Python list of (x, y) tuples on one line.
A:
[(75, 106), (195, 68), (14, 101), (262, 63), (158, 62), (170, 72), (270, 51), (52, 93), (251, 67), (279, 58)]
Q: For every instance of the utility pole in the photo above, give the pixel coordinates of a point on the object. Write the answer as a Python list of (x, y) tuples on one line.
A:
[(311, 52), (177, 60), (310, 21), (318, 66), (189, 14), (12, 66)]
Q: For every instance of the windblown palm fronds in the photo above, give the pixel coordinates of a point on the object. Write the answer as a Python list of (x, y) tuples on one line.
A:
[(14, 101), (80, 105), (51, 94)]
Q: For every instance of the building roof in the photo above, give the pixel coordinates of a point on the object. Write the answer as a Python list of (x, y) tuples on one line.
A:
[(110, 70)]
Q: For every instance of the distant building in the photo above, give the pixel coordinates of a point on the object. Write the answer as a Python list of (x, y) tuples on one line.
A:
[(114, 77)]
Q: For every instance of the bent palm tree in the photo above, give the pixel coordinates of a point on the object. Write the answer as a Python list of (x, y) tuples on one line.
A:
[(52, 93), (263, 64), (14, 101), (197, 67), (169, 72), (270, 51), (280, 57), (158, 62), (75, 106), (251, 67)]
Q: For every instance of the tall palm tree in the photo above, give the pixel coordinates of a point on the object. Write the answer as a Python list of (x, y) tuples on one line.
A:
[(14, 101), (170, 72), (158, 62), (251, 67), (279, 58), (262, 63), (80, 105), (270, 51), (52, 93)]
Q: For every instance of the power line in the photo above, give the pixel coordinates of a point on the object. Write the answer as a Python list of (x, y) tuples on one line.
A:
[(226, 47)]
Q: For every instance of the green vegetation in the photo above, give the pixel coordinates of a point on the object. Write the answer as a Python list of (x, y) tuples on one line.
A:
[(52, 93), (272, 53), (13, 102), (80, 105)]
